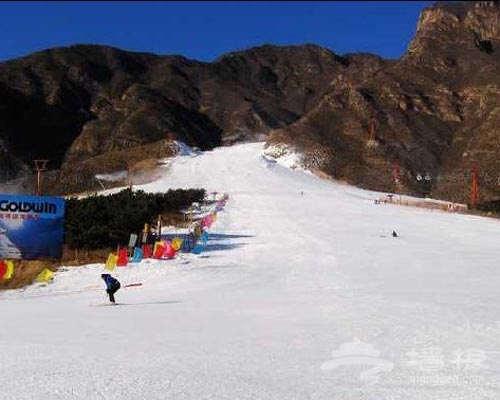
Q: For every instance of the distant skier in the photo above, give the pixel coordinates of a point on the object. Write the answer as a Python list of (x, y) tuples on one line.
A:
[(112, 286), (394, 234)]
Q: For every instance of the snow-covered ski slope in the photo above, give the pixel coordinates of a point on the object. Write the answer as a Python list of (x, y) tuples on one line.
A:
[(286, 280)]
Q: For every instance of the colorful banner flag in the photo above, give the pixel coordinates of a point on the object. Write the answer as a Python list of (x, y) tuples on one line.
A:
[(45, 276), (198, 248), (168, 250), (10, 269), (31, 227), (204, 237), (3, 269), (122, 260), (146, 251), (137, 257), (158, 250), (133, 240), (111, 262), (206, 221), (177, 243)]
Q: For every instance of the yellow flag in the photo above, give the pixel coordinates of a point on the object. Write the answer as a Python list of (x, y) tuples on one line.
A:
[(176, 243), (45, 276), (214, 216), (111, 262), (10, 269)]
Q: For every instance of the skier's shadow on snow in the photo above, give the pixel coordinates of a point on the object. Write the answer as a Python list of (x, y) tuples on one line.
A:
[(150, 303)]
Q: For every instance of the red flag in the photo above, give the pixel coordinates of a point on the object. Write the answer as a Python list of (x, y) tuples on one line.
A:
[(3, 269), (158, 252), (146, 251), (474, 192), (122, 258)]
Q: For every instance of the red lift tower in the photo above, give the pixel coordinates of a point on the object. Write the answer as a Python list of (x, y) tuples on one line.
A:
[(474, 191), (373, 128)]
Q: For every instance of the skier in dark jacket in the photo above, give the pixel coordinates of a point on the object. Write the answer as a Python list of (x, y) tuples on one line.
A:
[(112, 286)]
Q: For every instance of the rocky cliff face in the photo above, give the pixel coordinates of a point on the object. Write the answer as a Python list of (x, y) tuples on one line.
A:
[(433, 114), (73, 104), (435, 111)]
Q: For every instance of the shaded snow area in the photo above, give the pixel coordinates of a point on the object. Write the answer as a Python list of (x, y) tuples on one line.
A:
[(184, 149), (296, 297)]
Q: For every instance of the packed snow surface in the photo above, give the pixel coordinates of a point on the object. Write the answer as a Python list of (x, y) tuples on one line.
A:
[(287, 279)]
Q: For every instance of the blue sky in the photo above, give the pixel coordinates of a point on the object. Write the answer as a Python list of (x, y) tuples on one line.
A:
[(206, 30)]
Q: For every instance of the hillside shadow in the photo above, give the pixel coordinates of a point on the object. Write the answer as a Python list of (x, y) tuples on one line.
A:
[(222, 246)]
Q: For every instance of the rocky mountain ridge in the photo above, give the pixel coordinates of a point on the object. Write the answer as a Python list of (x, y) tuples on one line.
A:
[(416, 125)]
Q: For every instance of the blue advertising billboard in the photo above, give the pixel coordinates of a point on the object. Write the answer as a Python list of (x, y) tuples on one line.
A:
[(31, 227)]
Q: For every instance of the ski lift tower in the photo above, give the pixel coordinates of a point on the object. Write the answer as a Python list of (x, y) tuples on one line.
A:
[(130, 171), (372, 142), (474, 191), (40, 166)]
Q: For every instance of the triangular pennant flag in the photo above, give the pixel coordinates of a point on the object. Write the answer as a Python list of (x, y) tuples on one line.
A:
[(45, 276)]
